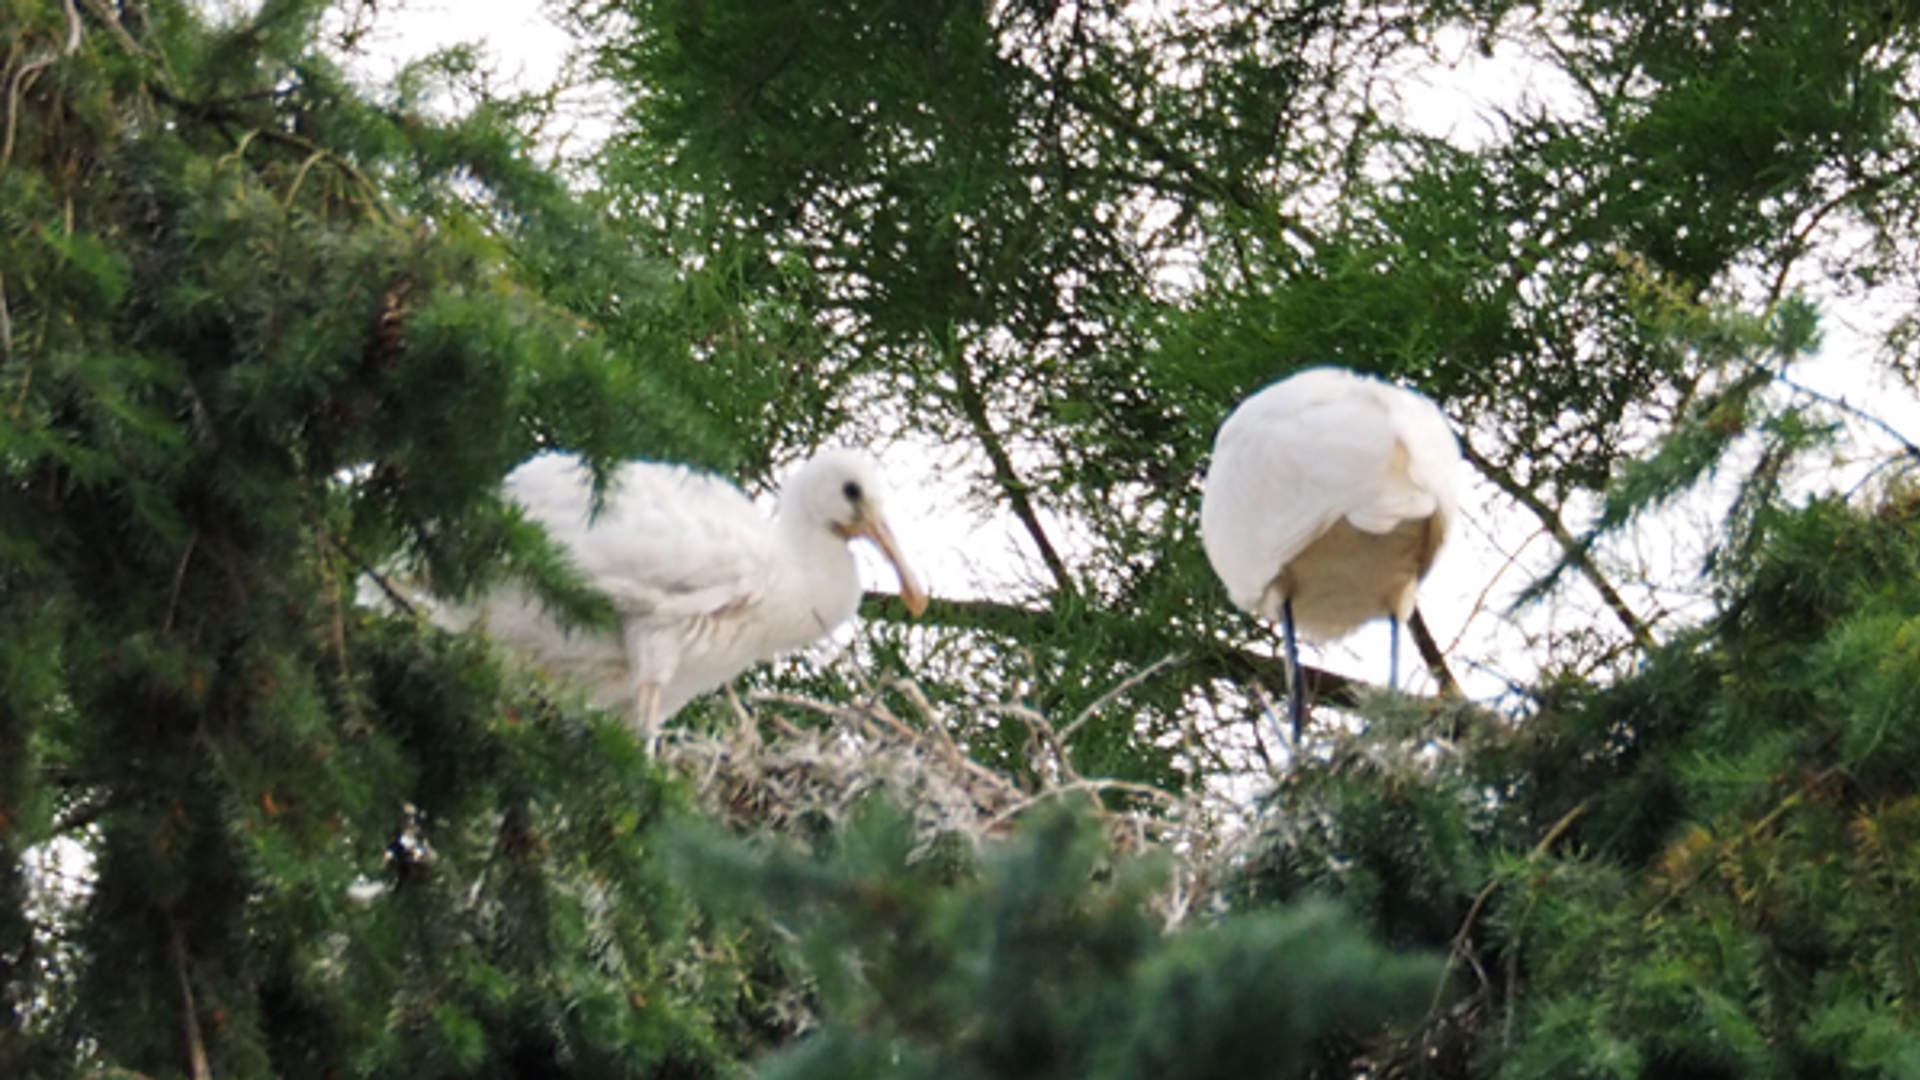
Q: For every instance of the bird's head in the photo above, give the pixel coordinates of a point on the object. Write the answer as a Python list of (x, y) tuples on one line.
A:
[(840, 490)]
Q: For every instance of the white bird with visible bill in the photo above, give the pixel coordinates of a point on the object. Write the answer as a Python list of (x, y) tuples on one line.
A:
[(1328, 498), (704, 584)]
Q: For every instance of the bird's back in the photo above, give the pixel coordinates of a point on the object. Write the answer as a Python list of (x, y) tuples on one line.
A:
[(675, 550), (666, 541), (1331, 488)]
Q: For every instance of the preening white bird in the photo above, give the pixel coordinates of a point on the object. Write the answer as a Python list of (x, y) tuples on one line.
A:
[(1327, 500), (704, 584)]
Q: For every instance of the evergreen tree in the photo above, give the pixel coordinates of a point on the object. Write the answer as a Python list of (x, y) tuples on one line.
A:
[(262, 333), (1069, 236), (258, 334), (1042, 957)]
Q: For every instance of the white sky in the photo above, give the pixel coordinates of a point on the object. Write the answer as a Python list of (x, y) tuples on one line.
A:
[(526, 44)]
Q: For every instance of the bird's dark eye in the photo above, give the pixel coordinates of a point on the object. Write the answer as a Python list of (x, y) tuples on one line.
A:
[(851, 489)]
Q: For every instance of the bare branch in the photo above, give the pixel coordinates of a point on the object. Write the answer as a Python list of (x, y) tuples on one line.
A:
[(1436, 660), (1017, 490), (1576, 552), (197, 1066)]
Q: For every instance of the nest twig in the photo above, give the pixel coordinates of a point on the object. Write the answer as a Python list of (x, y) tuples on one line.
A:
[(768, 773)]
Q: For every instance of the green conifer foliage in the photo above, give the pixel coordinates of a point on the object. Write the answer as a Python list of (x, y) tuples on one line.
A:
[(1704, 870), (259, 334), (1042, 957), (1769, 932)]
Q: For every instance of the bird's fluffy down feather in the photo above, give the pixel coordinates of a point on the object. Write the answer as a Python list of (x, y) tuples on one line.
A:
[(1331, 488), (704, 584)]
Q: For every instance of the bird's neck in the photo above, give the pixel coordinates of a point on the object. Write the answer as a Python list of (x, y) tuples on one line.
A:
[(822, 581)]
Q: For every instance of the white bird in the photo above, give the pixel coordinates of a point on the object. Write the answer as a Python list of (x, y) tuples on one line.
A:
[(1329, 496), (704, 585)]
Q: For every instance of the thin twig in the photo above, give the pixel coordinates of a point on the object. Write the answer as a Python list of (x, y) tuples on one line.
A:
[(17, 86), (1800, 242), (1907, 446), (391, 590), (1575, 551), (1479, 604), (935, 723), (1458, 948), (1017, 491), (1119, 688), (197, 1066), (6, 348), (1040, 728), (1093, 787), (179, 579)]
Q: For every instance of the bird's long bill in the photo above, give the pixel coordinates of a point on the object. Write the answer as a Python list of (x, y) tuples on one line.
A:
[(875, 529)]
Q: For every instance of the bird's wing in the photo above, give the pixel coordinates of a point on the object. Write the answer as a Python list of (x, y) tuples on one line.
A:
[(1268, 496), (1436, 463), (1321, 448), (1410, 451), (668, 543), (1316, 457)]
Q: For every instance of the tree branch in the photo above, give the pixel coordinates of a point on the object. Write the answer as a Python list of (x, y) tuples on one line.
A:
[(197, 1066), (974, 406), (1199, 661), (1576, 552), (1436, 660)]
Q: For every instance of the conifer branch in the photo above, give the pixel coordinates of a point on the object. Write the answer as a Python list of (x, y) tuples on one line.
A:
[(393, 593), (1429, 647), (1458, 949), (1575, 552), (212, 111), (1798, 796), (1018, 492), (22, 78), (197, 1066), (1202, 663)]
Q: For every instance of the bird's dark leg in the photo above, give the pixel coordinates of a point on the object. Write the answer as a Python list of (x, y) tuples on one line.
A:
[(1296, 693), (1393, 652)]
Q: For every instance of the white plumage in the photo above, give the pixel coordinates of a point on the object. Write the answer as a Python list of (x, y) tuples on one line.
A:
[(704, 584), (1328, 498)]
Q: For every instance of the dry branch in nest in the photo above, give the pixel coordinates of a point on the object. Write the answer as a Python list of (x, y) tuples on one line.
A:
[(768, 774)]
